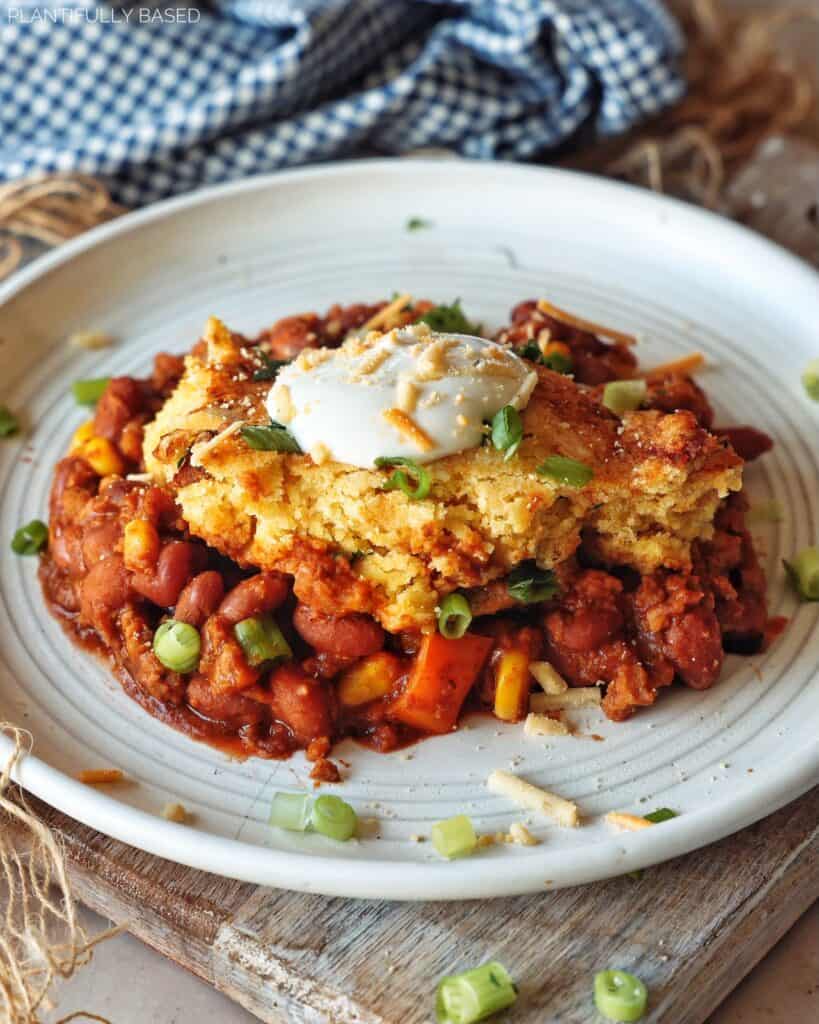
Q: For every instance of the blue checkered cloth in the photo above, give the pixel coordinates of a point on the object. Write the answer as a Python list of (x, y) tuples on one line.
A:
[(156, 105)]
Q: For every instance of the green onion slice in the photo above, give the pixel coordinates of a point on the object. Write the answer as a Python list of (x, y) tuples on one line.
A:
[(474, 995), (334, 818), (30, 539), (810, 379), (558, 361), (661, 814), (507, 430), (177, 645), (262, 640), (561, 470), (804, 573), (619, 996), (9, 424), (454, 616), (401, 480), (449, 320), (273, 438), (89, 392), (418, 224), (529, 584), (269, 368), (624, 395), (454, 837), (291, 811)]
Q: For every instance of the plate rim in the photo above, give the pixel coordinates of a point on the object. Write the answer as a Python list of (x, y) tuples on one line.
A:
[(375, 877)]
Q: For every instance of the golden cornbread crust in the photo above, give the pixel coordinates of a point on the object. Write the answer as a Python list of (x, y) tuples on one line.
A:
[(658, 480)]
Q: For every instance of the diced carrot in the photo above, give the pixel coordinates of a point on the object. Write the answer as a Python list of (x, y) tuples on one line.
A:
[(442, 675)]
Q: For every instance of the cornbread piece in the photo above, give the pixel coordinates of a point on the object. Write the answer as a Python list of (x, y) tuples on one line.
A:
[(355, 547)]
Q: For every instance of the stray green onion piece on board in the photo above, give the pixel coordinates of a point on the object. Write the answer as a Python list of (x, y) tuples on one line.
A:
[(810, 379), (9, 424), (661, 814), (620, 996), (454, 837), (803, 572), (291, 811), (529, 584), (272, 438), (624, 395), (454, 616), (262, 640), (334, 818), (89, 392), (30, 539), (403, 481), (561, 470), (507, 430), (474, 995), (177, 645)]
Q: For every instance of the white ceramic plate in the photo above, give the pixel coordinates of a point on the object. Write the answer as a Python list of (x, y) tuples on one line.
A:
[(254, 251)]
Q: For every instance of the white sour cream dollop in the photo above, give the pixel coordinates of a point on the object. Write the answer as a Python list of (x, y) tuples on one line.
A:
[(411, 393)]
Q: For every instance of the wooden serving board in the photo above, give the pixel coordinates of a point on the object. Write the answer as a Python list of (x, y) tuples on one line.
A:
[(691, 928)]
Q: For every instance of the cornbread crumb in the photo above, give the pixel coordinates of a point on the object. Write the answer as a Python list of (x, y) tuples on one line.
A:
[(90, 341), (521, 835), (320, 453), (542, 725), (175, 812)]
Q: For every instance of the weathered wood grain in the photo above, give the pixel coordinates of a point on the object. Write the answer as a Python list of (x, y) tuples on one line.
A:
[(691, 928)]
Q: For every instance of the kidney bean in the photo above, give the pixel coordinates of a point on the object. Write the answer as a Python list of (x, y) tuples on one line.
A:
[(255, 596), (130, 439), (177, 562), (223, 705), (588, 628), (346, 636), (301, 702), (200, 598), (748, 442), (120, 402)]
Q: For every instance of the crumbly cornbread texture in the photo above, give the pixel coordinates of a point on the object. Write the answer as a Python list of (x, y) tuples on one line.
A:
[(658, 479)]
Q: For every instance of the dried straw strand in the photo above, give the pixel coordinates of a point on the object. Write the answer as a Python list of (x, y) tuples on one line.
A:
[(41, 938)]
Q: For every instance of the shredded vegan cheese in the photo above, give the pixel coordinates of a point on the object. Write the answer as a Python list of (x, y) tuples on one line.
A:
[(686, 364), (90, 340), (100, 776), (575, 697), (203, 449), (627, 822), (408, 428), (548, 677), (584, 325), (384, 316), (532, 798)]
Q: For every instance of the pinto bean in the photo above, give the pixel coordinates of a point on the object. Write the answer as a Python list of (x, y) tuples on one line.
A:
[(346, 636), (255, 596), (103, 592), (177, 562), (200, 598), (301, 702), (99, 541), (120, 402)]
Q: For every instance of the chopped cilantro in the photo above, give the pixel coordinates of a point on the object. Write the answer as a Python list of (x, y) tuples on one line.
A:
[(418, 224), (449, 320)]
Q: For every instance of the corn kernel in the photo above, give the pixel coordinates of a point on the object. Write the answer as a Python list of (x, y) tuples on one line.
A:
[(102, 456), (140, 547), (512, 686), (371, 678), (82, 434), (557, 348)]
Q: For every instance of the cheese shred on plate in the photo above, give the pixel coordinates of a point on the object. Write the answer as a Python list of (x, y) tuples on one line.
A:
[(532, 798)]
